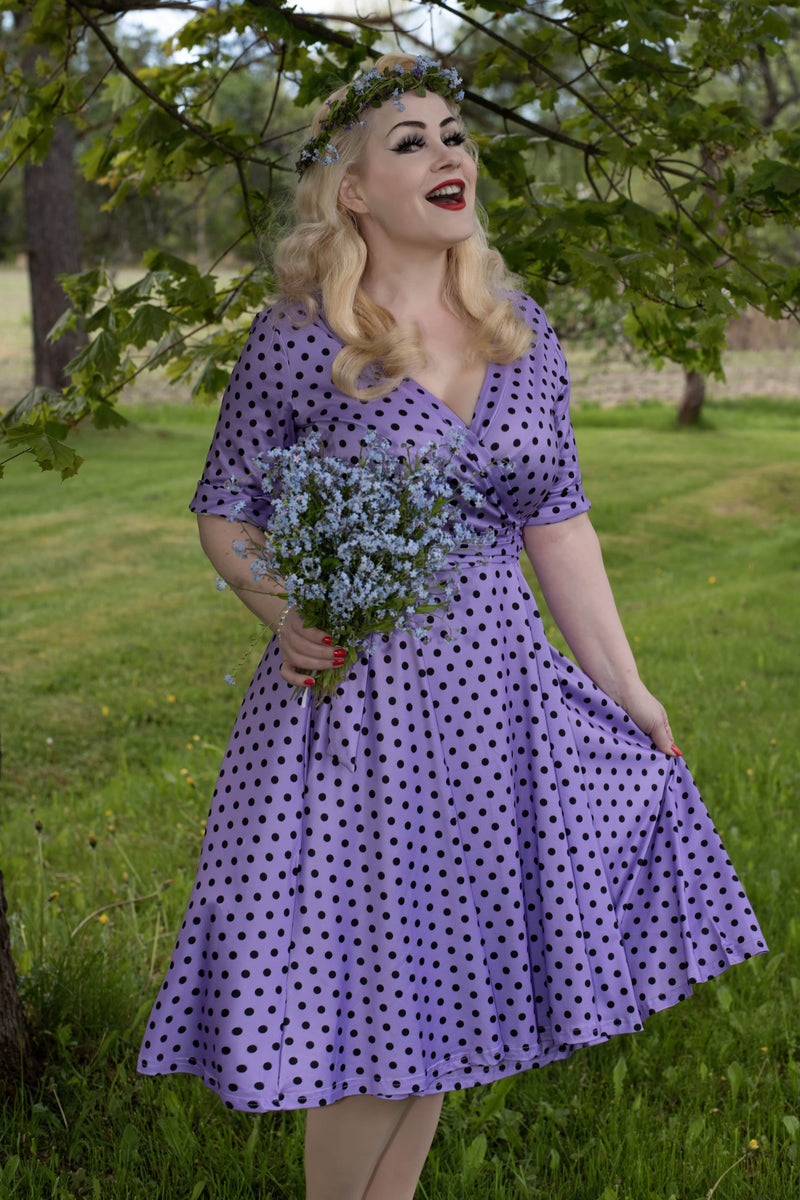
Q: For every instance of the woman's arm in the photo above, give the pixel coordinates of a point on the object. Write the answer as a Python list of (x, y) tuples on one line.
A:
[(568, 563), (302, 649)]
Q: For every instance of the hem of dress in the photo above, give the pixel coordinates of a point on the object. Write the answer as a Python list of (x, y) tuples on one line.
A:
[(448, 1075)]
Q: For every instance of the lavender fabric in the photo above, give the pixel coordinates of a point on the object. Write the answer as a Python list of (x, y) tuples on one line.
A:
[(470, 862)]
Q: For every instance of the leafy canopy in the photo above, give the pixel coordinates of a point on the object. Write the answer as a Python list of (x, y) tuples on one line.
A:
[(643, 153)]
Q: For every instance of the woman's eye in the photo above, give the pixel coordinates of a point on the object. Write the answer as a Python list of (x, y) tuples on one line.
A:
[(455, 139), (408, 143)]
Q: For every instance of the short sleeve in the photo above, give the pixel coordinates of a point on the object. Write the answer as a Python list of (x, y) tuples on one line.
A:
[(565, 497), (255, 415)]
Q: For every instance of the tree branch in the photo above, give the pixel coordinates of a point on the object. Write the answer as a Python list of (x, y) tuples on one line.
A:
[(537, 63), (171, 109)]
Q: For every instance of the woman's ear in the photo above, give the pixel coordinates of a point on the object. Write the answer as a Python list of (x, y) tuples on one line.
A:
[(350, 194)]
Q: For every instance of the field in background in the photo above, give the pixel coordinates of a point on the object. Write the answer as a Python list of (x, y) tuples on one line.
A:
[(114, 716), (765, 363)]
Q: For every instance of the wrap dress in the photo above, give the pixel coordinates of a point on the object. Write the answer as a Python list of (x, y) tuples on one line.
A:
[(468, 862)]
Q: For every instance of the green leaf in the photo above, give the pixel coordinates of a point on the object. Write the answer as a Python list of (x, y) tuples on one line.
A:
[(37, 398), (162, 260), (42, 439), (736, 1078), (211, 382), (771, 174), (792, 1125), (107, 416), (148, 324), (101, 356)]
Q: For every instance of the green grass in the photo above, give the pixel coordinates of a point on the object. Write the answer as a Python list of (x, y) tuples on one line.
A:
[(114, 714)]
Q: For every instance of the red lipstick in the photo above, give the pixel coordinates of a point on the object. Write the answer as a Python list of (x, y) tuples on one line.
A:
[(449, 194)]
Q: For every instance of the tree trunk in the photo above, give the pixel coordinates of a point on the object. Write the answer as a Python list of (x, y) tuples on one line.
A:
[(14, 1048), (694, 393), (54, 248)]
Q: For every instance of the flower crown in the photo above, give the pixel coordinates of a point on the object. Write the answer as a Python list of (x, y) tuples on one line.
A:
[(373, 89)]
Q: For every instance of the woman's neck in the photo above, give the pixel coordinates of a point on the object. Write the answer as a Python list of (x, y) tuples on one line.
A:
[(406, 286)]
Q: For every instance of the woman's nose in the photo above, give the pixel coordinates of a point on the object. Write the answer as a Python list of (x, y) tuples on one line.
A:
[(450, 156)]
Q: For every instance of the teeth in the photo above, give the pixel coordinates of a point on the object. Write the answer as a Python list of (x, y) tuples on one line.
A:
[(449, 189)]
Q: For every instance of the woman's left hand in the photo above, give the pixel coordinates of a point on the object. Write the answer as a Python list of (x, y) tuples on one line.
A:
[(651, 717)]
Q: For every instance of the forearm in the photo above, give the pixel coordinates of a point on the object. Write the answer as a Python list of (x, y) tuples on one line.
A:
[(217, 536), (569, 567)]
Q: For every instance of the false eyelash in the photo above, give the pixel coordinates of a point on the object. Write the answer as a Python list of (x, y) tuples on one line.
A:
[(416, 139), (410, 139)]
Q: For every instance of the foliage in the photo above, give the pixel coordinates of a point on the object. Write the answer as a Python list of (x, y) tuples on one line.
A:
[(642, 152)]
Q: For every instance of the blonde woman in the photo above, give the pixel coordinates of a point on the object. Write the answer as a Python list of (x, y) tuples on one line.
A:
[(477, 857)]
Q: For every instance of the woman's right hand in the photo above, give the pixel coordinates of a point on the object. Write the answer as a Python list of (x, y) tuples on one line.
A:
[(305, 650)]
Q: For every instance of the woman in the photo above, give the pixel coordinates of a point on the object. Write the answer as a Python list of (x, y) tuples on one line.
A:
[(477, 857)]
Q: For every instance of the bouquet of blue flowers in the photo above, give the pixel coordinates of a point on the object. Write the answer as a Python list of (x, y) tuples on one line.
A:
[(359, 548)]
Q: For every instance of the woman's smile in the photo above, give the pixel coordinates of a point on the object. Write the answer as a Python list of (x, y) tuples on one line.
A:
[(449, 194)]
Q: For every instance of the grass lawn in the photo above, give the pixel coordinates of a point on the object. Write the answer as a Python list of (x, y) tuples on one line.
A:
[(114, 715)]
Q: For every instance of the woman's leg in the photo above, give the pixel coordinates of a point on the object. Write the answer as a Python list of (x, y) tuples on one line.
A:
[(400, 1166), (344, 1143)]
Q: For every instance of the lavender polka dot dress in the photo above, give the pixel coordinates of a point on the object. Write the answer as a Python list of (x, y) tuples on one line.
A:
[(470, 861)]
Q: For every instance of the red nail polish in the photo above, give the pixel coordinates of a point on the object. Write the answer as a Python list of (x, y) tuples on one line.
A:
[(675, 750), (308, 682), (327, 641)]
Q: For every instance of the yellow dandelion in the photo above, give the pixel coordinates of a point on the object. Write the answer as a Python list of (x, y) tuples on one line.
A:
[(184, 771), (190, 745), (52, 896), (111, 829), (195, 737), (190, 780), (765, 1049), (105, 710), (103, 918), (749, 772), (752, 1144), (93, 840), (712, 579), (171, 699), (107, 813)]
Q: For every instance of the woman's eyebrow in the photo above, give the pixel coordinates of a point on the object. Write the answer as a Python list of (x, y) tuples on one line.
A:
[(420, 124)]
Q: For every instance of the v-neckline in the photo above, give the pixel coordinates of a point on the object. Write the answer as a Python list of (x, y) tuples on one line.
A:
[(410, 379), (443, 403)]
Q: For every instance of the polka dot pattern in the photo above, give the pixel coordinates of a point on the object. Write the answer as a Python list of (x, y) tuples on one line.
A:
[(469, 862)]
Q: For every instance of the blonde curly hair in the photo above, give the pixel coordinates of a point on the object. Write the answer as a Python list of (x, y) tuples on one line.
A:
[(319, 265)]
